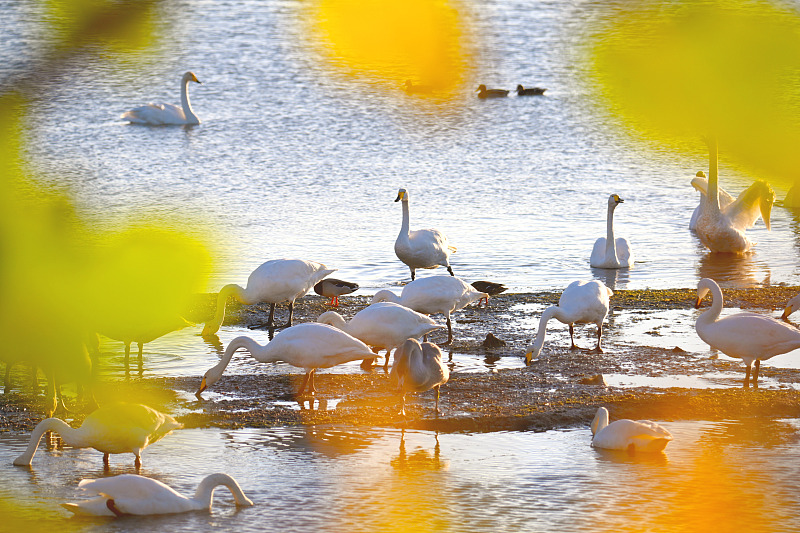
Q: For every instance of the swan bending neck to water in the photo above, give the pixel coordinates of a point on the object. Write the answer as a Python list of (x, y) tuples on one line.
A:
[(581, 302), (163, 114), (721, 226), (628, 435), (131, 494), (746, 336), (609, 252)]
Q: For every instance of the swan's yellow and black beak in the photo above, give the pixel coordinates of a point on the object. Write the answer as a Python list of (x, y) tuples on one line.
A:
[(786, 312), (400, 196), (528, 357), (698, 302), (203, 387), (618, 199)]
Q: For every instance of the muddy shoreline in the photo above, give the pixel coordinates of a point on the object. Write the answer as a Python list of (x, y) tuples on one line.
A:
[(556, 391)]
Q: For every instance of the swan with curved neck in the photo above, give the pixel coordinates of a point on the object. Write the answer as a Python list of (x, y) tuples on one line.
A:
[(165, 114), (434, 294), (628, 435), (309, 345), (383, 325), (582, 302), (423, 248), (273, 282), (609, 252), (113, 428), (418, 368), (747, 336), (131, 494), (721, 227)]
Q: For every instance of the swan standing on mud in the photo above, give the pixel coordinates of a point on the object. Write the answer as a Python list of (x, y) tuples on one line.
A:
[(422, 248), (417, 368)]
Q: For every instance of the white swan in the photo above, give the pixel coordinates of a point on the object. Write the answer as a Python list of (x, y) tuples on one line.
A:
[(700, 183), (423, 248), (333, 288), (118, 427), (131, 494), (746, 336), (275, 281), (140, 333), (721, 228), (309, 345), (434, 294), (609, 252), (417, 368), (628, 435), (791, 306), (383, 325), (582, 302), (162, 114)]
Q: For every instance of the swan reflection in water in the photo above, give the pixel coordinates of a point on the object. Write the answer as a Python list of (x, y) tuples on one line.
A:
[(420, 459), (734, 271)]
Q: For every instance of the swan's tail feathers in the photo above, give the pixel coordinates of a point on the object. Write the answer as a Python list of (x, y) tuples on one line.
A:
[(649, 443)]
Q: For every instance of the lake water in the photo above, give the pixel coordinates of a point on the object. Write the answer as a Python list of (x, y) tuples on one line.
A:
[(293, 162), (736, 475)]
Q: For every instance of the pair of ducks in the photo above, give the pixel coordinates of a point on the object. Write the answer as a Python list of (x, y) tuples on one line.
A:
[(484, 93)]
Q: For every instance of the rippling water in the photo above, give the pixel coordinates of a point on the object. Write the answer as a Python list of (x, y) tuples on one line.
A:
[(346, 479)]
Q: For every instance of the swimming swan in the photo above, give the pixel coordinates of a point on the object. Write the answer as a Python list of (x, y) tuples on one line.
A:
[(131, 494), (417, 368), (700, 183), (275, 281), (581, 302), (609, 252), (383, 325), (628, 435), (118, 427), (162, 114), (721, 228), (309, 345), (423, 248), (746, 336), (434, 294)]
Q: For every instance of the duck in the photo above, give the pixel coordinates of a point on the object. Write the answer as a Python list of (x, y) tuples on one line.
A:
[(163, 114), (132, 494), (309, 345), (382, 325), (628, 435), (333, 288), (140, 333), (489, 287), (582, 302), (483, 92), (410, 88), (721, 228), (118, 427), (533, 91), (791, 306), (746, 336), (418, 368), (434, 294), (276, 281), (609, 252), (422, 248)]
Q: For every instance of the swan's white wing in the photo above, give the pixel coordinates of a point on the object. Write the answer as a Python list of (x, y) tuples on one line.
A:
[(624, 253), (598, 252), (643, 435), (749, 336), (313, 345), (155, 114), (129, 486)]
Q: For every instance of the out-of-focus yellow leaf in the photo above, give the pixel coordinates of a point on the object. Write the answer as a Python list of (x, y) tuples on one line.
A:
[(726, 68)]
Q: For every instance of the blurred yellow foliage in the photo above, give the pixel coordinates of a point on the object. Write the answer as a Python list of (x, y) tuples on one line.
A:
[(726, 68), (422, 41)]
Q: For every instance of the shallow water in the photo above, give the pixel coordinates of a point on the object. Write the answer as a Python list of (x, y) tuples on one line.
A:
[(344, 479)]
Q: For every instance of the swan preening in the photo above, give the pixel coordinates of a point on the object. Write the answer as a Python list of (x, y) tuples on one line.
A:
[(276, 281), (131, 494), (581, 302), (422, 248), (609, 252), (722, 221), (163, 114), (746, 336), (113, 428), (434, 294), (417, 368), (333, 288), (628, 435), (309, 346), (383, 325)]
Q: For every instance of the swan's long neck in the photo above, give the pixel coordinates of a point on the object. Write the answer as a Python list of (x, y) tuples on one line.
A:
[(71, 437), (222, 299), (600, 421), (204, 495), (611, 244), (406, 223), (551, 312), (385, 295), (712, 314), (187, 107), (713, 174), (256, 350), (332, 318)]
